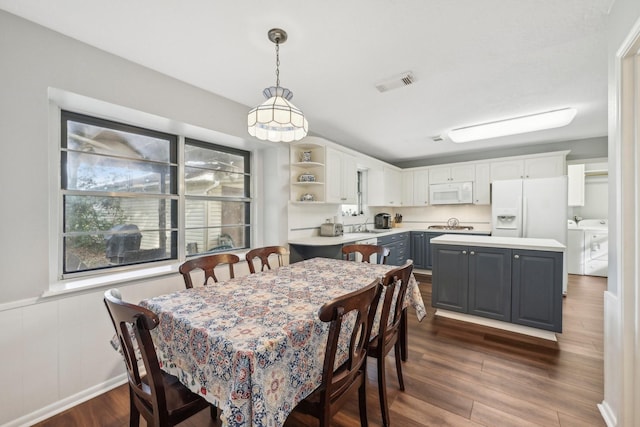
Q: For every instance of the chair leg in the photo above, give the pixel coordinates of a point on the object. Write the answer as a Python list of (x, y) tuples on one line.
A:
[(362, 400), (397, 351), (134, 414), (382, 391), (214, 412), (404, 331), (324, 416)]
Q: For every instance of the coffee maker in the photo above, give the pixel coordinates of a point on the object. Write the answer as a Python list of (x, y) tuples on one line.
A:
[(382, 220)]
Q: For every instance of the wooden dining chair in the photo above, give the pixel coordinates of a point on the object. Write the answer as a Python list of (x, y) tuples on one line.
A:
[(395, 282), (264, 254), (158, 396), (207, 264), (366, 251), (338, 384)]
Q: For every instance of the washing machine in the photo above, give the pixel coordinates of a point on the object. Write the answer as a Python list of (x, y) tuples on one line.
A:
[(575, 249), (596, 246)]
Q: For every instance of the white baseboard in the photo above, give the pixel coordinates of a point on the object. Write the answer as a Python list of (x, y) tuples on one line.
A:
[(607, 414), (491, 323), (69, 402)]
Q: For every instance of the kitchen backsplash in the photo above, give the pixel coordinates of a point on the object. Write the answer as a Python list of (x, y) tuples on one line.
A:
[(305, 220), (478, 216)]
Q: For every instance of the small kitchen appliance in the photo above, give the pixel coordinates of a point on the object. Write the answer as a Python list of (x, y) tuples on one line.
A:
[(331, 229), (382, 220), (454, 193)]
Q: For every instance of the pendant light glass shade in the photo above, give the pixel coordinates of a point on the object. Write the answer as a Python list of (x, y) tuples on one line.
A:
[(277, 119)]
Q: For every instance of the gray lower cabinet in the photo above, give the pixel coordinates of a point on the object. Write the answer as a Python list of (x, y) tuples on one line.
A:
[(398, 245), (419, 249), (299, 253), (421, 252), (450, 279), (428, 252), (537, 289), (490, 282), (511, 285)]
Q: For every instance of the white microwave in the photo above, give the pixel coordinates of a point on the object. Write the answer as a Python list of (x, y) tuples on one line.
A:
[(454, 193)]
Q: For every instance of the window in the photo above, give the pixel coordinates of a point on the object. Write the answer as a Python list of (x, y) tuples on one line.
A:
[(354, 210), (120, 200), (217, 208)]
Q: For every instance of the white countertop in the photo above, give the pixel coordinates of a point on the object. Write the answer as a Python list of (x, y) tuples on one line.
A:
[(500, 242), (353, 237)]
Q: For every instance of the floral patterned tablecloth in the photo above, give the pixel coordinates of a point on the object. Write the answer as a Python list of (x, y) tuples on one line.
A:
[(254, 345)]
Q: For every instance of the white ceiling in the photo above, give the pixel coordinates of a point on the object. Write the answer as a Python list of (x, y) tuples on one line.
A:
[(474, 60)]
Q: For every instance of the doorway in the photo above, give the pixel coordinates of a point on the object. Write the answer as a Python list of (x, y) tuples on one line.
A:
[(621, 405)]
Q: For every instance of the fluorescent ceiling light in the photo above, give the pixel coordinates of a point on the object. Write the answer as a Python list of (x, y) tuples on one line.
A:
[(523, 124)]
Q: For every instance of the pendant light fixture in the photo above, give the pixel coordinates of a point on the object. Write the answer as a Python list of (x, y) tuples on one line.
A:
[(277, 119)]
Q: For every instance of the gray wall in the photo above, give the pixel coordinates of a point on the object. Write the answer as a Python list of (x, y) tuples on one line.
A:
[(60, 341), (35, 59)]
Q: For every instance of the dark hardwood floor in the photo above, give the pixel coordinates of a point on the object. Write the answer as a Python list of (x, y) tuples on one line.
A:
[(459, 374)]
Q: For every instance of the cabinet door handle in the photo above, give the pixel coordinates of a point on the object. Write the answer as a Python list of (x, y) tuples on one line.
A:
[(472, 253), (464, 252), (516, 256)]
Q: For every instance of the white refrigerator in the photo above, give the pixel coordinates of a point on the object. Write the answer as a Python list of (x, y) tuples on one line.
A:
[(534, 208)]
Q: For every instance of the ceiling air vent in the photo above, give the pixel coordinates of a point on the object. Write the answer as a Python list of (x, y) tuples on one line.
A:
[(404, 79)]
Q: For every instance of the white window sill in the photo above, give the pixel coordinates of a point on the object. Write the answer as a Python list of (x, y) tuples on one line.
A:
[(88, 283), (117, 278)]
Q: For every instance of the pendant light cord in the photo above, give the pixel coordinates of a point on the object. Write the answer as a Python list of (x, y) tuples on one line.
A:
[(277, 63)]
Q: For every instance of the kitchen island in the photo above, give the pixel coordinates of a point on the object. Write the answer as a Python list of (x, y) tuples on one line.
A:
[(503, 282)]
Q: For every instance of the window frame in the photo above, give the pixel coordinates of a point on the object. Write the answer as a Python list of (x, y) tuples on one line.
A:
[(109, 274), (247, 199)]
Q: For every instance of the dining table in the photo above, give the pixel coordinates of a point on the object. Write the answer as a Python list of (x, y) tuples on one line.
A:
[(254, 346)]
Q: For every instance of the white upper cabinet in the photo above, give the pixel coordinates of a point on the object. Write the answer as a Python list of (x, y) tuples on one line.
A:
[(383, 187), (421, 187), (507, 169), (531, 167), (375, 187), (407, 188), (482, 185), (575, 174), (453, 173), (415, 188), (544, 167), (341, 177), (392, 183)]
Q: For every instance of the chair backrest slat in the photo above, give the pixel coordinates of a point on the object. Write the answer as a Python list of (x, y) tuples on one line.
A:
[(264, 254), (366, 251), (207, 264), (131, 319), (353, 307), (395, 282)]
